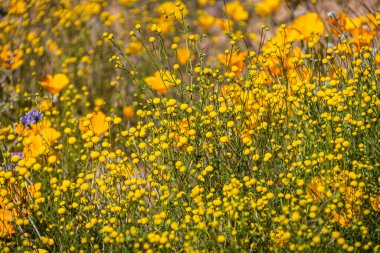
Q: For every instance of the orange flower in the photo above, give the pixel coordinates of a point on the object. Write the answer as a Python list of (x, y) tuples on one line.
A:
[(340, 218), (11, 59), (128, 112), (337, 22), (39, 138), (316, 188), (234, 60), (6, 228), (97, 124), (183, 55), (362, 37), (161, 81), (54, 84)]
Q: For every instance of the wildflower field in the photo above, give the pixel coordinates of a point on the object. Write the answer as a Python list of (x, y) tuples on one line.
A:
[(194, 126)]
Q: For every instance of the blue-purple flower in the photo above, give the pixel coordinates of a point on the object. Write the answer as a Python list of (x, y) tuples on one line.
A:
[(32, 117), (11, 166)]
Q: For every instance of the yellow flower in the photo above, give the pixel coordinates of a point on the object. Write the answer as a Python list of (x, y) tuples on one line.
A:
[(37, 251), (54, 84), (98, 124), (267, 7), (17, 7), (375, 203), (236, 11), (99, 102), (221, 238), (161, 81), (279, 237)]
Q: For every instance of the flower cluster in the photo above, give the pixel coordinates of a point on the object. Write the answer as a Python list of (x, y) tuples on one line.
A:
[(189, 126), (32, 117)]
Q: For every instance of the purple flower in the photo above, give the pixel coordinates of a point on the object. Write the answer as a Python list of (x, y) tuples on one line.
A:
[(32, 117)]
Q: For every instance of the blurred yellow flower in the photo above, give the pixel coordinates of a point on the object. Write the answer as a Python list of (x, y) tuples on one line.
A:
[(267, 7), (99, 102), (206, 21), (236, 11), (54, 84), (134, 47), (17, 7), (170, 8)]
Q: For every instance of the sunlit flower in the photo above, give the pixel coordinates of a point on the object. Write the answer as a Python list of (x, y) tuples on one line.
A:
[(38, 138), (161, 81), (97, 124), (54, 84), (183, 55)]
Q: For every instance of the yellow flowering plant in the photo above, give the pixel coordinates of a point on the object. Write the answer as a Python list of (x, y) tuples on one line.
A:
[(189, 126)]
